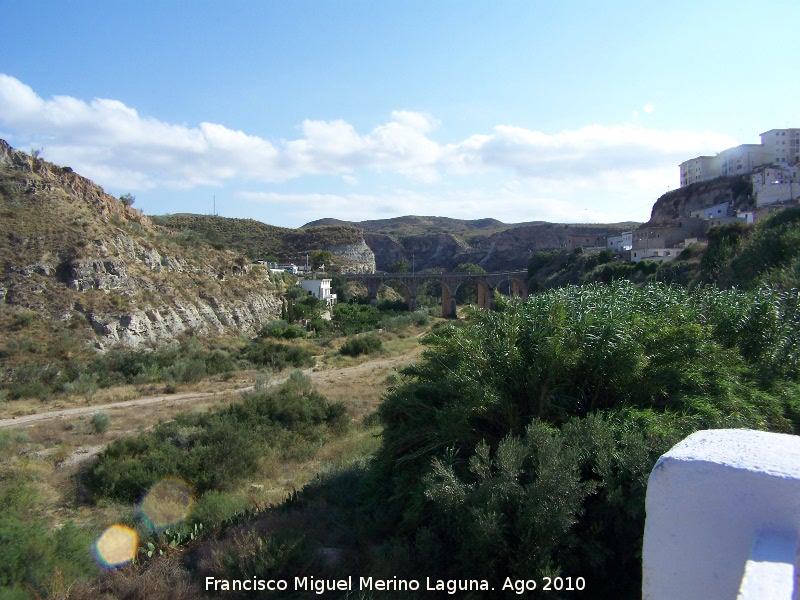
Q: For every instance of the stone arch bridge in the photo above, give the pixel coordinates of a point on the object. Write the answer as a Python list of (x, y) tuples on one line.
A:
[(512, 281)]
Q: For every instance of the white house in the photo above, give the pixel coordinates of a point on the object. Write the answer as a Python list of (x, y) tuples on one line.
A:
[(618, 243), (320, 289), (655, 254), (712, 212)]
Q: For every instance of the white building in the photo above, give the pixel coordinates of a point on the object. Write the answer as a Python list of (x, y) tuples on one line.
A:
[(618, 243), (778, 192), (712, 212), (697, 169), (782, 145), (320, 289), (770, 174), (773, 184), (290, 268), (779, 147), (655, 254)]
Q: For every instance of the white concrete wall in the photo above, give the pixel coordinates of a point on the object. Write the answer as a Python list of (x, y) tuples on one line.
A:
[(777, 192), (655, 254), (709, 499)]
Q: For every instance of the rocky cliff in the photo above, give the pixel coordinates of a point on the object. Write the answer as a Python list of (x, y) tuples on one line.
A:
[(679, 203), (73, 253), (356, 257)]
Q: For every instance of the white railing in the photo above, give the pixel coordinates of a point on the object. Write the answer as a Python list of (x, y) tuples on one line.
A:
[(723, 517)]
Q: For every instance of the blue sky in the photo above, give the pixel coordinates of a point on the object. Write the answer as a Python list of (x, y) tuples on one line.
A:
[(287, 112)]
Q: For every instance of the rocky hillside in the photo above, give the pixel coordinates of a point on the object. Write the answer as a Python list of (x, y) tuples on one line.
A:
[(439, 242), (679, 203), (76, 255), (258, 240)]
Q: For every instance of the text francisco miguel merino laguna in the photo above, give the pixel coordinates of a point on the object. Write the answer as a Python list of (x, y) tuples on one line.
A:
[(320, 586)]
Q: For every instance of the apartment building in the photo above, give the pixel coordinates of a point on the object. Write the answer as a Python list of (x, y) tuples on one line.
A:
[(783, 145), (778, 147)]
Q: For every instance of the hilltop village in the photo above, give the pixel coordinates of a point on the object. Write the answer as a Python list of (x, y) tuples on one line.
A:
[(741, 184)]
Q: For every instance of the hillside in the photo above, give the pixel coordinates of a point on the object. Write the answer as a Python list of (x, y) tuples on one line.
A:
[(259, 240), (441, 242), (84, 261)]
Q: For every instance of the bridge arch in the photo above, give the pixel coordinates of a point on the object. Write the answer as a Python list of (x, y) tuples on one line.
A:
[(514, 287), (450, 282)]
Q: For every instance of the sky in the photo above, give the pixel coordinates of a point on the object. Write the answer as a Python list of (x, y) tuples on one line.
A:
[(296, 110)]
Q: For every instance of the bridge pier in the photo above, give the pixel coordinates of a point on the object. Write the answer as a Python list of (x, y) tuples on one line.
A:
[(448, 303), (485, 297), (519, 290)]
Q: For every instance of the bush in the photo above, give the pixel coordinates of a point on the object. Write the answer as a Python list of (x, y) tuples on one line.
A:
[(216, 450), (100, 422), (281, 329), (523, 441), (214, 507), (188, 370), (350, 319), (365, 344), (276, 356)]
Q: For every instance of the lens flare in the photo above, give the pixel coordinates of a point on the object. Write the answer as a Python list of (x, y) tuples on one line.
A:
[(116, 546), (167, 502)]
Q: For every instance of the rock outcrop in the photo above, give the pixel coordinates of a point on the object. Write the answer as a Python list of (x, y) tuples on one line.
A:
[(354, 258), (71, 252), (697, 196)]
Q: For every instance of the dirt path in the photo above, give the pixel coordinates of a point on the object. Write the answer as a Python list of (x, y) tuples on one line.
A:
[(189, 396)]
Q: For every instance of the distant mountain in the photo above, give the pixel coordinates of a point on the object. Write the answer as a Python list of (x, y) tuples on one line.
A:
[(259, 240), (444, 243)]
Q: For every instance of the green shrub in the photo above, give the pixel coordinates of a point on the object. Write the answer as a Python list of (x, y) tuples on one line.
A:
[(522, 443), (23, 318), (188, 370), (363, 344), (214, 507), (350, 319), (216, 450), (281, 329), (100, 422), (276, 356)]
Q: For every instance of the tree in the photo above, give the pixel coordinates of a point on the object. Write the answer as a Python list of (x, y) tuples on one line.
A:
[(470, 268), (127, 199), (320, 258), (401, 266)]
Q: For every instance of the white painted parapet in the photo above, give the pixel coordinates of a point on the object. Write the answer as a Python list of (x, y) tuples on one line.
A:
[(718, 501)]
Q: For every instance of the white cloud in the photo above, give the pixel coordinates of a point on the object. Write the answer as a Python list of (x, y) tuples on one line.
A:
[(119, 148)]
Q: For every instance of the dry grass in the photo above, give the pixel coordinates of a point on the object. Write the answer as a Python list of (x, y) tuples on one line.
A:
[(159, 579), (58, 450)]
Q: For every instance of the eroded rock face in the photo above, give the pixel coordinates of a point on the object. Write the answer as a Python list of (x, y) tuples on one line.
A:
[(360, 257), (82, 275), (697, 196), (154, 324)]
